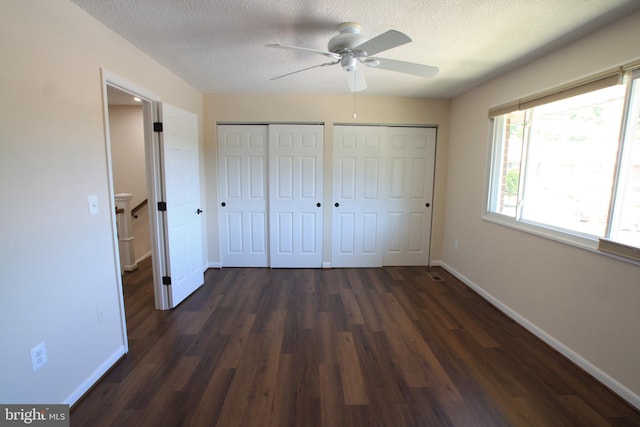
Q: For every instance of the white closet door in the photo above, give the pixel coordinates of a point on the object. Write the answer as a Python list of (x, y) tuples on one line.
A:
[(357, 191), (409, 179), (242, 194), (295, 195)]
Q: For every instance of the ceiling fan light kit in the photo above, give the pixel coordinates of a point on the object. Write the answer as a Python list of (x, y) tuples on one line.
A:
[(349, 63), (350, 48)]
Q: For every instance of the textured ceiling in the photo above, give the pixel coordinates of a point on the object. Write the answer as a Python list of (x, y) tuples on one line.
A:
[(218, 45)]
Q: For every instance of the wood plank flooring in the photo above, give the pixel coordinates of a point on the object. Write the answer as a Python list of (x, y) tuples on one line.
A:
[(341, 347)]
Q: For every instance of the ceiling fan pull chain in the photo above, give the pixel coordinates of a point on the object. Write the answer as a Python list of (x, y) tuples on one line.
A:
[(354, 95)]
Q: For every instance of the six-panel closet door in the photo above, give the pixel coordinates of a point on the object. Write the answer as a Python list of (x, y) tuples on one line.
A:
[(357, 219), (270, 195), (382, 195), (242, 195), (408, 195), (295, 195)]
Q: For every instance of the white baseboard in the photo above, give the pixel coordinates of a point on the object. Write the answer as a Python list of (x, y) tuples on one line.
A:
[(143, 257), (130, 267), (326, 265), (215, 265), (93, 378), (583, 363)]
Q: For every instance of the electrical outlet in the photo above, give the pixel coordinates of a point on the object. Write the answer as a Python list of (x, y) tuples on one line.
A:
[(39, 356)]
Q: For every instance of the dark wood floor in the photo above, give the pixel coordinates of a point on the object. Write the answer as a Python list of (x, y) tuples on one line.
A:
[(341, 347)]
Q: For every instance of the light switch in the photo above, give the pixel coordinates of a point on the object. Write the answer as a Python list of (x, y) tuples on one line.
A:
[(93, 204)]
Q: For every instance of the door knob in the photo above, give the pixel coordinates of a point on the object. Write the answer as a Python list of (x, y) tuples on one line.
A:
[(318, 204), (199, 211), (427, 204), (223, 204), (337, 204)]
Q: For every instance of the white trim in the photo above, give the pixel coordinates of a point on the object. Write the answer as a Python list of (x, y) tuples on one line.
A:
[(127, 86), (130, 267), (326, 265), (155, 179), (549, 232), (112, 209), (583, 363), (587, 244), (95, 377), (151, 112), (215, 265), (143, 257)]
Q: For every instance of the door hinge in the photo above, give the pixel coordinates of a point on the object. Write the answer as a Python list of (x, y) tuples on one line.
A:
[(157, 126), (162, 206), (166, 280)]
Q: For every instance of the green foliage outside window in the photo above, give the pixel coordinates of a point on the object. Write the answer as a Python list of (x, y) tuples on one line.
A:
[(511, 180)]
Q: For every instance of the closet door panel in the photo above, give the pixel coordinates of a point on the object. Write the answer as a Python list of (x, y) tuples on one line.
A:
[(295, 195), (242, 191), (411, 162), (357, 187)]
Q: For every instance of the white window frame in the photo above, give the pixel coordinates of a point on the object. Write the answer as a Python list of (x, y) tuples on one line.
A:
[(600, 245)]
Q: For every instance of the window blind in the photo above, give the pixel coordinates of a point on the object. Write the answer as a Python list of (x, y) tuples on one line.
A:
[(619, 249), (588, 84)]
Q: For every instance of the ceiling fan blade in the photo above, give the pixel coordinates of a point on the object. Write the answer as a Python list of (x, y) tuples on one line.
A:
[(419, 70), (304, 49), (305, 69), (355, 80), (384, 41)]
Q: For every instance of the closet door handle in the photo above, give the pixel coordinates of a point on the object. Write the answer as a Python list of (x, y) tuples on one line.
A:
[(199, 211), (223, 204), (318, 204), (337, 205), (427, 204)]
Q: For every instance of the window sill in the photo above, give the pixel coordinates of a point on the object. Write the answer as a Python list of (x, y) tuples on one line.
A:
[(593, 245)]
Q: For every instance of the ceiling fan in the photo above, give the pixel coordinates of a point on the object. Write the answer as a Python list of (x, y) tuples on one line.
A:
[(349, 48)]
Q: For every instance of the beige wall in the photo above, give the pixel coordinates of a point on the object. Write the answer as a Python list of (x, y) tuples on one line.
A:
[(58, 264), (326, 109), (126, 132), (585, 303)]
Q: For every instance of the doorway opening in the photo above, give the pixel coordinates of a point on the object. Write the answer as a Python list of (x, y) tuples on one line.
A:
[(125, 122), (132, 181), (128, 169), (173, 182)]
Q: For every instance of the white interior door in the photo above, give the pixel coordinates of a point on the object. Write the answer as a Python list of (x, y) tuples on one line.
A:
[(242, 193), (409, 179), (295, 195), (357, 224), (183, 225)]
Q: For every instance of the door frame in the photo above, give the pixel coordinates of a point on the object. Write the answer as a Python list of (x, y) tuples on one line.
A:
[(154, 176)]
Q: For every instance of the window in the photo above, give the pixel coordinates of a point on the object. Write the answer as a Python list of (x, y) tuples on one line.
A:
[(568, 163), (625, 222)]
